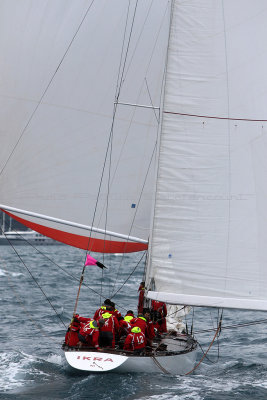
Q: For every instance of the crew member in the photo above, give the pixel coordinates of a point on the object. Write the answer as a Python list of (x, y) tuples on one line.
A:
[(77, 322), (135, 341), (102, 309), (116, 312), (89, 334), (140, 321), (141, 291), (108, 330), (150, 332), (125, 326), (159, 311)]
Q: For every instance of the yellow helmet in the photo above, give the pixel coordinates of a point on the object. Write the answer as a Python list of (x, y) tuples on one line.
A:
[(106, 315), (136, 329)]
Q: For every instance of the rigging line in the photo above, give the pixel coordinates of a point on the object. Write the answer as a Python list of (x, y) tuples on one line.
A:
[(157, 118), (208, 349), (139, 37), (158, 364), (117, 94), (36, 282), (161, 25), (258, 322), (57, 265), (137, 205), (201, 348), (19, 299), (127, 50), (215, 117), (123, 42), (47, 87), (129, 276)]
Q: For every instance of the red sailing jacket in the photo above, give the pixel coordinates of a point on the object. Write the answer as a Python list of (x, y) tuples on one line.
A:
[(159, 306), (125, 325), (141, 322), (141, 298), (71, 338), (111, 324), (150, 333), (134, 341), (117, 314), (99, 312), (90, 335)]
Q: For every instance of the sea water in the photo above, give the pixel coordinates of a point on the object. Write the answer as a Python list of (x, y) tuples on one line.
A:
[(33, 366)]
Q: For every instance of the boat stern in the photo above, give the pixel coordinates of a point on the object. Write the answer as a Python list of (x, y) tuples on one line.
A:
[(94, 361)]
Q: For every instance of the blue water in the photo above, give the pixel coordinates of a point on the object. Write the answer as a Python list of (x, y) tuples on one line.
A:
[(32, 364)]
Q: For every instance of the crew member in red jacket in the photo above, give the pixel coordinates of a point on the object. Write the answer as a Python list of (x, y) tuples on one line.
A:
[(89, 333), (140, 321), (77, 322), (141, 291), (150, 333), (107, 304), (108, 330), (135, 341), (125, 326), (71, 337), (159, 310), (116, 312)]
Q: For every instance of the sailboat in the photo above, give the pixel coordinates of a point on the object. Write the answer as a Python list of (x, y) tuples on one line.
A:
[(143, 127)]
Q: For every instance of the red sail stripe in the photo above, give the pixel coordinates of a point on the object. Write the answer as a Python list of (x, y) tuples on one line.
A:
[(97, 245)]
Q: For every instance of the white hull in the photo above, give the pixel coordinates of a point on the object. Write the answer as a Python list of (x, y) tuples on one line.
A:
[(178, 363)]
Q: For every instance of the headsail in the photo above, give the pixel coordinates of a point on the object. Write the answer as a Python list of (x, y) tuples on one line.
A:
[(59, 139), (210, 228)]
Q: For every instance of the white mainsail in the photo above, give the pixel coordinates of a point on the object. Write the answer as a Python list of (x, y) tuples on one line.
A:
[(208, 245), (58, 93)]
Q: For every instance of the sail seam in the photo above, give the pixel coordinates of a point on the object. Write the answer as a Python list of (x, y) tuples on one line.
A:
[(215, 117)]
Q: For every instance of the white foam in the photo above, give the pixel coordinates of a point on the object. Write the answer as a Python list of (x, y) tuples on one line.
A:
[(54, 359), (16, 369), (13, 274)]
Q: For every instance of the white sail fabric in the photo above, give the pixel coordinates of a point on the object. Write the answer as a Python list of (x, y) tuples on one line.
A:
[(61, 65), (209, 236)]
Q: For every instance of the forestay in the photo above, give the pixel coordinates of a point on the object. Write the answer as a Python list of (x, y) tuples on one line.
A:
[(63, 68), (210, 228)]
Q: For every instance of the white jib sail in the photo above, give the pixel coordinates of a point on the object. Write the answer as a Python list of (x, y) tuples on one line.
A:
[(209, 237)]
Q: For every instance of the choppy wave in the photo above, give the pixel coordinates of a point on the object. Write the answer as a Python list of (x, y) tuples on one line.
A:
[(32, 365)]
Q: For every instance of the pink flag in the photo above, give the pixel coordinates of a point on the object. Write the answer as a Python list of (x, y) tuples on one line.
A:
[(92, 261)]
